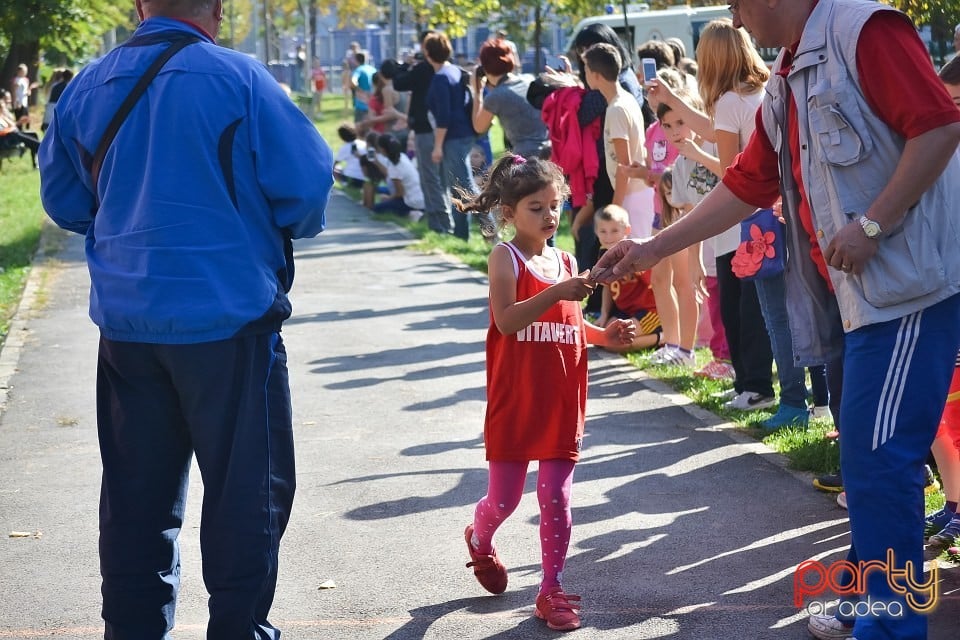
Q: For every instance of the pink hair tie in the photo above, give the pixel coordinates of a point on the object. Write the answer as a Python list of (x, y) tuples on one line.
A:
[(519, 160)]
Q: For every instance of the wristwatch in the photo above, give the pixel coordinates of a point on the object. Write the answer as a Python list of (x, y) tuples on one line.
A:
[(871, 228)]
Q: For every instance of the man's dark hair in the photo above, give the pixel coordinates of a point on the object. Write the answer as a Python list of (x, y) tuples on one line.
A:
[(603, 59), (437, 46), (659, 51), (361, 57), (389, 68)]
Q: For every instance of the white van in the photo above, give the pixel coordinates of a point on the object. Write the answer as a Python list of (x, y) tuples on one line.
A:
[(641, 24)]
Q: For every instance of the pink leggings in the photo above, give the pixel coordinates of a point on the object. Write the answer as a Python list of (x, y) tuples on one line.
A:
[(554, 485)]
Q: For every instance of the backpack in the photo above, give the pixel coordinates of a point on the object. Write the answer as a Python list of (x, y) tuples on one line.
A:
[(468, 97)]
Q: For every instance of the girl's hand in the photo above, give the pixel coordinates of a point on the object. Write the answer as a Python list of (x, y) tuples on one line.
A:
[(584, 216), (689, 149), (660, 92), (620, 332), (576, 288), (636, 169), (778, 211), (699, 280)]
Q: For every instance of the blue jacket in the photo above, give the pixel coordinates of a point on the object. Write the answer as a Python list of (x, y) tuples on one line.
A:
[(208, 179), (447, 100)]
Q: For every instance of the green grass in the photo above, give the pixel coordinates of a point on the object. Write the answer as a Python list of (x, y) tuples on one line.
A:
[(20, 219)]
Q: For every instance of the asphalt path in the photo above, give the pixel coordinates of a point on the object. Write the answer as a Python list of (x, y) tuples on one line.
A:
[(683, 527)]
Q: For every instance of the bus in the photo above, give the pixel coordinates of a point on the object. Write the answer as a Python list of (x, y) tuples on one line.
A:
[(683, 22)]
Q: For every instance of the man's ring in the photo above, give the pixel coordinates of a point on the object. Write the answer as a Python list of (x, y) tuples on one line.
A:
[(845, 267)]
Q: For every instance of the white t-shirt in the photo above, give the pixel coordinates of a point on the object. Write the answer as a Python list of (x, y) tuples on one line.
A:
[(735, 113), (623, 121), (351, 163), (21, 94), (691, 184), (406, 173)]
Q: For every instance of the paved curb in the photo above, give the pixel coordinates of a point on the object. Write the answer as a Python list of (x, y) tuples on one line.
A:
[(19, 329)]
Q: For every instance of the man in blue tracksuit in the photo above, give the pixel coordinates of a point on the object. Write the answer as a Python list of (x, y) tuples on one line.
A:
[(188, 231), (870, 186)]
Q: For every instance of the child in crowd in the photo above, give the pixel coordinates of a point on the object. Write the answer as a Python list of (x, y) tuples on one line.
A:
[(407, 194), (631, 297), (623, 136), (372, 162), (749, 344), (536, 375), (943, 526), (346, 164), (673, 289), (694, 175)]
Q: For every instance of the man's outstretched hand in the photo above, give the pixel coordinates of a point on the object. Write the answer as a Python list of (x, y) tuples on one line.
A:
[(627, 256)]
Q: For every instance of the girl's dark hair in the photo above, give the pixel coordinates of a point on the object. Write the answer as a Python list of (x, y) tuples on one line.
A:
[(347, 133), (510, 180), (391, 147), (595, 33)]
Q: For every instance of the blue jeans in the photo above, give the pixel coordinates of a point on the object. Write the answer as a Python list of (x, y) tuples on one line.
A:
[(392, 205), (436, 200), (773, 304), (228, 403), (456, 172)]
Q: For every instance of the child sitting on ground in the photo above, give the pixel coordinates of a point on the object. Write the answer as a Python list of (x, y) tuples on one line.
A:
[(346, 164), (630, 297)]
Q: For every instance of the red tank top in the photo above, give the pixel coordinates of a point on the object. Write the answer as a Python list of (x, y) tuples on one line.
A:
[(537, 377)]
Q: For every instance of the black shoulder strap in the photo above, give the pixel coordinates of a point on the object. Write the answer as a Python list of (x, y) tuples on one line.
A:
[(127, 105)]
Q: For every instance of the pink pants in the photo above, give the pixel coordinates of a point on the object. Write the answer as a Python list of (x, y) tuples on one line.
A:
[(718, 341), (554, 485)]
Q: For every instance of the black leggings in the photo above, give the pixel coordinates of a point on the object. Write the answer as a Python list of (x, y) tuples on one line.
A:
[(750, 351)]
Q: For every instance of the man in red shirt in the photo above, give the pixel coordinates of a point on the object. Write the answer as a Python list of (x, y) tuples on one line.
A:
[(870, 185)]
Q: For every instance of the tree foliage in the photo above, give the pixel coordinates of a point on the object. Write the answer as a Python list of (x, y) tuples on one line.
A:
[(66, 31)]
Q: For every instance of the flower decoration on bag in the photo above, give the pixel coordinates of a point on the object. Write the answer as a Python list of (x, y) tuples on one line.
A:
[(750, 254)]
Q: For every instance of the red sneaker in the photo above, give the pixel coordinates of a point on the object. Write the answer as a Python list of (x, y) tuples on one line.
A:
[(559, 609), (490, 572)]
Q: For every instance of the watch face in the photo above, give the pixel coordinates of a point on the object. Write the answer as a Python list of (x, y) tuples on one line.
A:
[(871, 228)]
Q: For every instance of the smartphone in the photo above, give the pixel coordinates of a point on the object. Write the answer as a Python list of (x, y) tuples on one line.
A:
[(649, 69), (371, 154)]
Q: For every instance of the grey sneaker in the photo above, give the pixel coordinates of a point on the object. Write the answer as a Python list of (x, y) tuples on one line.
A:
[(828, 628)]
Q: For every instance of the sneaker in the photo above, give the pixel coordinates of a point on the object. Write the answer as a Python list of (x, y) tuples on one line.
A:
[(728, 394), (828, 628), (821, 413), (750, 401), (415, 215), (490, 572), (948, 535), (657, 356), (716, 370), (936, 521), (787, 416), (931, 486), (676, 357), (842, 499), (832, 482), (559, 609)]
